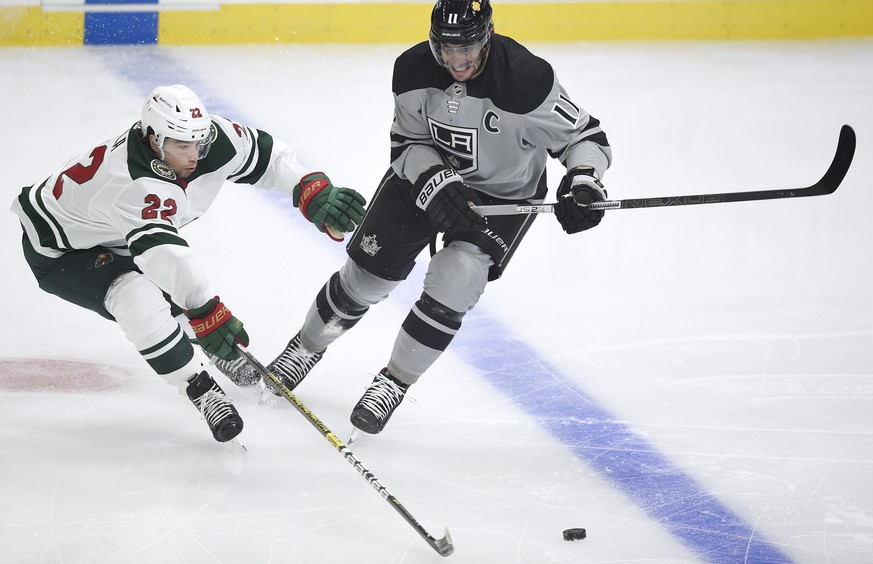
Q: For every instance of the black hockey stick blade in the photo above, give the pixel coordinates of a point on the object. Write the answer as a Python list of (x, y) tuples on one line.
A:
[(827, 185), (442, 545), (839, 166)]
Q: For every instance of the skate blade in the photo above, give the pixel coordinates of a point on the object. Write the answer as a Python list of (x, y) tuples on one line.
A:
[(233, 457), (355, 436), (238, 444)]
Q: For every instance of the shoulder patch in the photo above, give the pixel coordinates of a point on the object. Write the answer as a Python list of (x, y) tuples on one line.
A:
[(161, 168), (223, 149), (416, 69), (515, 79)]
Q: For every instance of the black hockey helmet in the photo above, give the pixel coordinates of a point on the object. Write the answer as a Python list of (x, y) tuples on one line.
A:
[(460, 22)]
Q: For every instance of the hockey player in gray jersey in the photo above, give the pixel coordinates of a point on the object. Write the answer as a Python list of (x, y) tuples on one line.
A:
[(476, 116), (102, 232)]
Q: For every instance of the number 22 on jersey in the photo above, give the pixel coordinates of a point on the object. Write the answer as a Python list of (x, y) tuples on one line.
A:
[(81, 174)]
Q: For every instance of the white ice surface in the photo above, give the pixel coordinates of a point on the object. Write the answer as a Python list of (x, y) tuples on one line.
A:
[(735, 339)]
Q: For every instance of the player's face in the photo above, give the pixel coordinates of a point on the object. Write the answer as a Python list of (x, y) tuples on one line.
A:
[(463, 61), (182, 156)]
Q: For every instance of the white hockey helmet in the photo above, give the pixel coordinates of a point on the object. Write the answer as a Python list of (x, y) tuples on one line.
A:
[(178, 113)]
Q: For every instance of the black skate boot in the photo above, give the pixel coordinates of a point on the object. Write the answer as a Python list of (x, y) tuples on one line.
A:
[(237, 371), (221, 416), (378, 403), (293, 364)]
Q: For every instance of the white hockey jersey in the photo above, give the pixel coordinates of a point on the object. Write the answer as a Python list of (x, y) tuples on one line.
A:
[(121, 196)]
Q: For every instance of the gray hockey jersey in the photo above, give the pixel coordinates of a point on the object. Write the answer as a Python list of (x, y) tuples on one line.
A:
[(496, 130)]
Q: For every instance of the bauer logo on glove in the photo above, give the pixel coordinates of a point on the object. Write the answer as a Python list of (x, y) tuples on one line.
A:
[(216, 329)]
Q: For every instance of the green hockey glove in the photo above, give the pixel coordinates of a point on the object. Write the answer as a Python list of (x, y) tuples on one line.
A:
[(332, 209), (217, 330)]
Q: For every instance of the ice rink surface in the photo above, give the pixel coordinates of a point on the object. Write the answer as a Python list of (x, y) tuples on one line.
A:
[(689, 384)]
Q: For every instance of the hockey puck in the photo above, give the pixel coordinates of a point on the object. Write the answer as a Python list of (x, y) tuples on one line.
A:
[(574, 534)]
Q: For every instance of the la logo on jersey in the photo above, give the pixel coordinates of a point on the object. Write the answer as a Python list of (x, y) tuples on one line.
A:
[(459, 146)]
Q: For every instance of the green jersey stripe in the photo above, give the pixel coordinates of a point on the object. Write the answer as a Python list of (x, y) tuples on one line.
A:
[(151, 226), (148, 240), (33, 206), (264, 150), (245, 167)]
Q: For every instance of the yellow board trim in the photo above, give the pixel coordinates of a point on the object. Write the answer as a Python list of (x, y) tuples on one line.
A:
[(408, 22), (600, 21), (30, 26), (298, 23), (698, 20)]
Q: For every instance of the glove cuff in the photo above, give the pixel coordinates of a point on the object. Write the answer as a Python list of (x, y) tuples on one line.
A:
[(202, 310), (584, 177), (310, 185), (583, 171), (207, 318)]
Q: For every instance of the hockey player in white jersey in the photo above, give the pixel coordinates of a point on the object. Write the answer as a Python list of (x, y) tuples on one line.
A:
[(476, 117), (102, 232)]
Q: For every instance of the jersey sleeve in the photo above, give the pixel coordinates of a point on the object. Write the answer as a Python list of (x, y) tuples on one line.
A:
[(146, 211), (412, 148), (176, 271), (568, 132), (262, 160)]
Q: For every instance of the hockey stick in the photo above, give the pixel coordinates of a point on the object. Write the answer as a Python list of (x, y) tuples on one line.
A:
[(827, 185), (443, 546)]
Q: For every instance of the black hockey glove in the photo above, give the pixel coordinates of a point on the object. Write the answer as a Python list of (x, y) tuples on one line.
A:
[(442, 194), (578, 188)]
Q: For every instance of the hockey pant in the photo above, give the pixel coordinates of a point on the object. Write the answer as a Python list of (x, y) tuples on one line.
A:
[(111, 286)]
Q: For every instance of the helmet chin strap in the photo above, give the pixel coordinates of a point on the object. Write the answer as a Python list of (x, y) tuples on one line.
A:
[(157, 149), (477, 70)]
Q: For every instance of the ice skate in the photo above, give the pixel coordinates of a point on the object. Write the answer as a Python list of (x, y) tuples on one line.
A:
[(221, 416), (293, 364), (378, 403)]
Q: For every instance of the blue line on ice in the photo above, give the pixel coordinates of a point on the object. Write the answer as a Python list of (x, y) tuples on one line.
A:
[(621, 456)]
